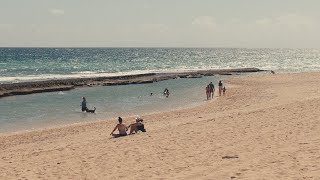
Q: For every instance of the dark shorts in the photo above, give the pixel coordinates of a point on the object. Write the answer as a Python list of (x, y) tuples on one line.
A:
[(141, 128)]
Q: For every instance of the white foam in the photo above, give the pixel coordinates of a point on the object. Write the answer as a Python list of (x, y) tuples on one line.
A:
[(67, 76), (85, 74)]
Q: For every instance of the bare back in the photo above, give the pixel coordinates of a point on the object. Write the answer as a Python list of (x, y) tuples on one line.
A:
[(122, 128)]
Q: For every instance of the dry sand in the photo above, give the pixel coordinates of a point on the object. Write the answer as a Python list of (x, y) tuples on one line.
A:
[(266, 127)]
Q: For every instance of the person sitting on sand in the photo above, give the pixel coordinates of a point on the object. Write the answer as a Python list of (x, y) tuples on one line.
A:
[(121, 128), (137, 126)]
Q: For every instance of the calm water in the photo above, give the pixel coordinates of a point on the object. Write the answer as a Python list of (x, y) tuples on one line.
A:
[(50, 109)]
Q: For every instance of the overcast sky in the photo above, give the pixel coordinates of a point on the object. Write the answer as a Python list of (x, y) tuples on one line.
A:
[(160, 23)]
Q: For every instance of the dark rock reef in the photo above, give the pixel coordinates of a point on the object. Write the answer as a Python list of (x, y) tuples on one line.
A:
[(23, 88)]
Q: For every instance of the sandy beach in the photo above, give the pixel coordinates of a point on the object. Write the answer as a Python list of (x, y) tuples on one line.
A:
[(266, 127)]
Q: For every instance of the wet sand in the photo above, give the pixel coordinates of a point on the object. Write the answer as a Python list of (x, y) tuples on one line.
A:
[(266, 127)]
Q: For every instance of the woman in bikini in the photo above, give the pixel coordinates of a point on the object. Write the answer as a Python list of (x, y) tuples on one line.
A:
[(121, 128)]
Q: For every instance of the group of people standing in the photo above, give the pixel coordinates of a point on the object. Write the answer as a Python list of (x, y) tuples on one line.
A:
[(210, 90)]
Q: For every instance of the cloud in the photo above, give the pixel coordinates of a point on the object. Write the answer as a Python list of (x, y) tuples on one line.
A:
[(56, 12), (264, 21), (204, 22), (234, 21), (292, 21)]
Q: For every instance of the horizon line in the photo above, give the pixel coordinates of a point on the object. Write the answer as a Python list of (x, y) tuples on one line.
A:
[(155, 47)]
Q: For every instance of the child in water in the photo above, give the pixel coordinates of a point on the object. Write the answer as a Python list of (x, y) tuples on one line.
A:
[(166, 92)]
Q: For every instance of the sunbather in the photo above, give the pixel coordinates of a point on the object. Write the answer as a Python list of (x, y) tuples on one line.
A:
[(137, 126), (121, 128)]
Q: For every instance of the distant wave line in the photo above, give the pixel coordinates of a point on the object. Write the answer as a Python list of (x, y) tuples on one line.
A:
[(84, 74)]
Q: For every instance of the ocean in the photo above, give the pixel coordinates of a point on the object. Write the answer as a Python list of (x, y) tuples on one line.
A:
[(30, 64), (51, 109)]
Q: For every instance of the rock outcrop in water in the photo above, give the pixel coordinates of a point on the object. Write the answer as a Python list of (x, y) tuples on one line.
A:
[(24, 88)]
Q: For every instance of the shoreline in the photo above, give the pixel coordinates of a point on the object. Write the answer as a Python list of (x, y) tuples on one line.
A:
[(74, 124), (162, 77), (23, 88), (267, 126)]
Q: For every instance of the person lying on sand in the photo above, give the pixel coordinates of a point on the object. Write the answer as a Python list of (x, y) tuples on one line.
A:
[(121, 128), (137, 126)]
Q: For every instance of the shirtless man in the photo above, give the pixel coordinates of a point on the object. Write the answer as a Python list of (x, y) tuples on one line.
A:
[(220, 87), (121, 128), (212, 89)]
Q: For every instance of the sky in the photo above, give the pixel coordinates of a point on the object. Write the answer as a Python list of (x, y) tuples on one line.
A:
[(160, 23)]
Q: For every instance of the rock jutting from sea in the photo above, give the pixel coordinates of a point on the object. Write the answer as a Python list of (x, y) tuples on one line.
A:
[(23, 88)]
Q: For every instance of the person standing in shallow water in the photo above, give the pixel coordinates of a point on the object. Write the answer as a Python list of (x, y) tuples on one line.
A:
[(208, 92), (211, 90), (84, 104), (220, 87)]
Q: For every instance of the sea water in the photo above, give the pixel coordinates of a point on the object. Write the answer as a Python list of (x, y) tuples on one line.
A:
[(56, 108), (51, 109), (31, 64)]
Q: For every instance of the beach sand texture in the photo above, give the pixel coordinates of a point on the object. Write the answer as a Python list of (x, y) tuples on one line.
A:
[(266, 127)]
